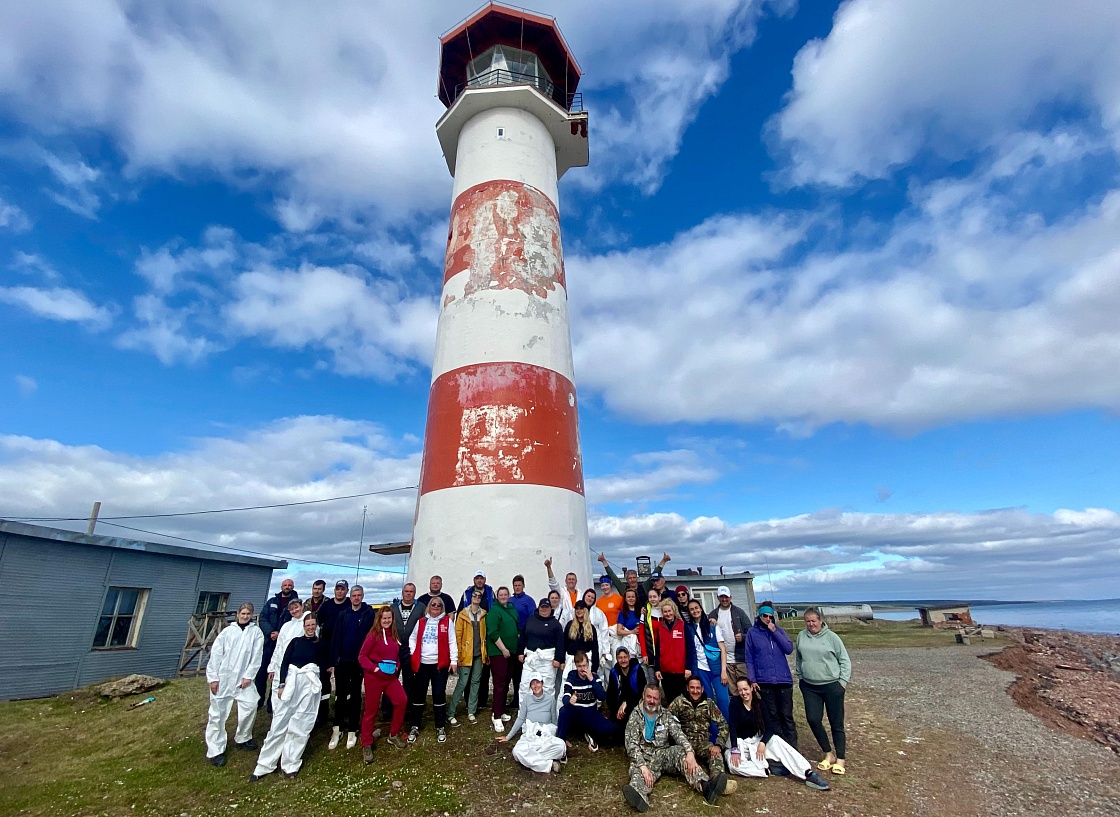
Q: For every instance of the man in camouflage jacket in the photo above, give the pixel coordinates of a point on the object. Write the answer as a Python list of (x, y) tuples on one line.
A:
[(657, 745), (704, 726)]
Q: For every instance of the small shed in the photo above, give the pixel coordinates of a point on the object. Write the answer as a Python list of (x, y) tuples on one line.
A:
[(99, 607), (952, 614), (840, 613), (703, 587)]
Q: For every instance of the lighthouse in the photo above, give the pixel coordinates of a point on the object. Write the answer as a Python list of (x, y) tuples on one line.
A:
[(501, 485)]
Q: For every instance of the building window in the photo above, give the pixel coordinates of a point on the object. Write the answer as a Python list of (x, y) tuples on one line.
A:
[(119, 625), (211, 603), (707, 597)]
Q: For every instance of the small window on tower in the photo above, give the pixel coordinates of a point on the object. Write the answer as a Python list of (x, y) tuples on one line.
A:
[(501, 133)]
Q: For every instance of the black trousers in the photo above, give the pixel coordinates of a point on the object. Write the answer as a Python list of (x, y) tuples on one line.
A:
[(348, 696), (777, 711), (261, 681), (821, 698), (672, 687), (428, 675)]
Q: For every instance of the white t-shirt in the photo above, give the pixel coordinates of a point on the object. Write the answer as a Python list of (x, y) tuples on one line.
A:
[(724, 617), (701, 658), (429, 645)]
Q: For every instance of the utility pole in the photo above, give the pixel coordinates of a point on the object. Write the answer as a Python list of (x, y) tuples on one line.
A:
[(93, 518), (361, 542)]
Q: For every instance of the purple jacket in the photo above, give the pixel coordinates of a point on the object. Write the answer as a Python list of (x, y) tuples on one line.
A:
[(765, 655)]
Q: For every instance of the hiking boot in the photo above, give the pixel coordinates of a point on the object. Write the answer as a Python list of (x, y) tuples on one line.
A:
[(367, 754), (815, 781), (719, 782), (635, 798), (248, 745), (708, 789), (396, 742), (441, 735), (218, 760), (413, 734), (454, 721), (731, 786)]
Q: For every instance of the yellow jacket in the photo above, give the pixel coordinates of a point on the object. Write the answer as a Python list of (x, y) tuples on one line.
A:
[(464, 634)]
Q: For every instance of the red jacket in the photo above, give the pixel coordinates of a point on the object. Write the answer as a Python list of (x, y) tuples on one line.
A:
[(443, 643), (379, 647), (671, 646)]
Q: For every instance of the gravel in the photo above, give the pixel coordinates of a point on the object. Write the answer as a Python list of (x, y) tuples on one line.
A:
[(1019, 765)]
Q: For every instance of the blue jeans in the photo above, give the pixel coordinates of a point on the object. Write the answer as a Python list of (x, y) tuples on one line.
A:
[(715, 689)]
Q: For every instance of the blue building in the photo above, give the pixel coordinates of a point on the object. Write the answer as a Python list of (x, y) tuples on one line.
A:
[(88, 608)]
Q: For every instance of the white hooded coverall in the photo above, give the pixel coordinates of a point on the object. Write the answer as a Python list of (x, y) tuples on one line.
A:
[(539, 746), (291, 629), (235, 656), (776, 749), (292, 721)]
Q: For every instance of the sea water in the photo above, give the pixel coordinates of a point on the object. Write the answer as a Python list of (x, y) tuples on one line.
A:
[(1096, 616)]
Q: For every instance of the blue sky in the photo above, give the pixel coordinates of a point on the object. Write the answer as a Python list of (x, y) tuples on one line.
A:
[(844, 281)]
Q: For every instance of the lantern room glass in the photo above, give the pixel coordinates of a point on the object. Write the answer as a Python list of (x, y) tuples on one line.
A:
[(506, 65)]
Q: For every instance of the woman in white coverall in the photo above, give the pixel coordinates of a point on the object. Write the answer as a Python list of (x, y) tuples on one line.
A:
[(297, 706), (234, 661), (539, 749), (289, 630)]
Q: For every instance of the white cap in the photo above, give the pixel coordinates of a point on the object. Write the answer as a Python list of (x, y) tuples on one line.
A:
[(478, 573), (724, 590), (536, 676)]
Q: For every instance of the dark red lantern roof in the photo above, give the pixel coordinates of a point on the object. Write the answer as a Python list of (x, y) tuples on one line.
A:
[(500, 25)]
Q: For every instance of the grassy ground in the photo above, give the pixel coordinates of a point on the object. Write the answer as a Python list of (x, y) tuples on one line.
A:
[(79, 754)]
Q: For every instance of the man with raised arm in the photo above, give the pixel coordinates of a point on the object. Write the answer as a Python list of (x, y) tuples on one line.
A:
[(630, 582)]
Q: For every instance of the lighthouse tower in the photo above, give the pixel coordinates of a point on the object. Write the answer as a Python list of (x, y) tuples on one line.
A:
[(501, 486)]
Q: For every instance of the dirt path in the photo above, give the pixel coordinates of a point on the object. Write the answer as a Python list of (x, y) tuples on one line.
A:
[(974, 749)]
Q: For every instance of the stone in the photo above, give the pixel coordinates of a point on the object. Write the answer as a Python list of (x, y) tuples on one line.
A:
[(129, 685)]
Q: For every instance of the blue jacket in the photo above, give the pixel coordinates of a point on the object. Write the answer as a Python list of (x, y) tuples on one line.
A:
[(487, 597), (766, 653), (275, 615), (525, 607), (350, 631)]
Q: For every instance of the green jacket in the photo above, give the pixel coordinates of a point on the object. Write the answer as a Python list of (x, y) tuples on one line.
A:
[(696, 720), (822, 658), (501, 622), (666, 732)]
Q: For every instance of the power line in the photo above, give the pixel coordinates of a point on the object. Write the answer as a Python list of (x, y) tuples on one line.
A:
[(244, 550), (215, 510)]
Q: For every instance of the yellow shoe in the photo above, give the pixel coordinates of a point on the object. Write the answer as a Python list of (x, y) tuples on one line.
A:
[(838, 769), (824, 766)]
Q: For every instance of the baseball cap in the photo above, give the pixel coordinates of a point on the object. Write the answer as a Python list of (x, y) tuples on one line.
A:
[(581, 605), (342, 583), (536, 676), (724, 590), (478, 573), (657, 574), (545, 603)]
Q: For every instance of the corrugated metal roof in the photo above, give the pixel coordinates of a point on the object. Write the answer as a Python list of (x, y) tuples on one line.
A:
[(60, 535)]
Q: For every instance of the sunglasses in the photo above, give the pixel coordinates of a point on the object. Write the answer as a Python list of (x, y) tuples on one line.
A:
[(767, 617)]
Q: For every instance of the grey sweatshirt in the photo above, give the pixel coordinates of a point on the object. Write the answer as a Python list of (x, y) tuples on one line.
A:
[(822, 658), (538, 710)]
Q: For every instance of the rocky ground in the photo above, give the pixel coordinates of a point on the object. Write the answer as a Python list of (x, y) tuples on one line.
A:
[(975, 750)]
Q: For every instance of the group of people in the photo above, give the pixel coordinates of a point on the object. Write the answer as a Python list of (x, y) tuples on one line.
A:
[(683, 690)]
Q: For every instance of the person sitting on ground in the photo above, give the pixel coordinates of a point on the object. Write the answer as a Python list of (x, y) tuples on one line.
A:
[(297, 704), (704, 725), (824, 670), (624, 688), (539, 748), (381, 666), (756, 750), (710, 656), (434, 652), (768, 670), (657, 745), (235, 658), (672, 656), (470, 632), (579, 713), (501, 647)]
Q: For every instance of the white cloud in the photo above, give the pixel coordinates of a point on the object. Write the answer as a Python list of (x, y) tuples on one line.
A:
[(165, 332), (649, 476), (1008, 553), (296, 459), (58, 304), (13, 218), (969, 304), (27, 385), (894, 79), (338, 100), (78, 180), (36, 265)]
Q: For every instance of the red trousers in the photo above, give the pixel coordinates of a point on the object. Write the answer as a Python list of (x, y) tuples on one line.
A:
[(377, 683)]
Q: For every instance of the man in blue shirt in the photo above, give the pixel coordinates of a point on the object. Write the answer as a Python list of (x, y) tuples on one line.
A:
[(525, 606)]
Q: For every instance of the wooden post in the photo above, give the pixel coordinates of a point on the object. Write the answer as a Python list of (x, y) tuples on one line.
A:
[(93, 518)]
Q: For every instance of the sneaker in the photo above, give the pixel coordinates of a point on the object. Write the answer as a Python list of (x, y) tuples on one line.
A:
[(591, 744), (815, 781), (413, 734), (248, 745), (499, 727), (351, 740), (506, 718), (377, 733), (556, 767), (253, 778), (367, 754), (472, 719), (441, 735), (335, 735), (453, 721), (396, 742), (218, 760), (635, 798), (291, 775), (719, 782)]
